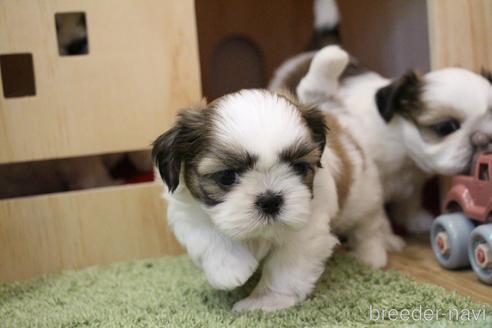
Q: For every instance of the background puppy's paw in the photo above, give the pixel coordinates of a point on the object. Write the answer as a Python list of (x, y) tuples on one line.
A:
[(394, 243), (420, 223), (266, 302), (374, 255), (228, 271)]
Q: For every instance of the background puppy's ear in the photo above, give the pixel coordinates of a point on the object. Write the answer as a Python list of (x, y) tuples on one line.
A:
[(174, 146), (486, 74), (400, 96), (316, 123)]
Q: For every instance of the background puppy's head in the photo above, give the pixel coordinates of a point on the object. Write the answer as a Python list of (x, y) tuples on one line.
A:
[(438, 115), (249, 158)]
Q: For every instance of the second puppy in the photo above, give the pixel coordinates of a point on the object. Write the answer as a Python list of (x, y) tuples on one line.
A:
[(415, 127), (256, 176)]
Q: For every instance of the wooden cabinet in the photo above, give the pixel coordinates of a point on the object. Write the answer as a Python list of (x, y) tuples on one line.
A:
[(243, 42), (141, 67)]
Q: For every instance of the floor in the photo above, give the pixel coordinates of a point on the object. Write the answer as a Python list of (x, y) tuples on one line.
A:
[(417, 261)]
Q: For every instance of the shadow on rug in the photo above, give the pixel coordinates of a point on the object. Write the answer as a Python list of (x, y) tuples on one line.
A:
[(170, 292)]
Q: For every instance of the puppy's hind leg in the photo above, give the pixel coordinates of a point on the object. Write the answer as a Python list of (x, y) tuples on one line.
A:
[(410, 213), (321, 82), (393, 242), (369, 241)]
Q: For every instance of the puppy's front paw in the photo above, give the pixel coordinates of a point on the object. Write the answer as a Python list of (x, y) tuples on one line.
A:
[(420, 223), (266, 302), (228, 271)]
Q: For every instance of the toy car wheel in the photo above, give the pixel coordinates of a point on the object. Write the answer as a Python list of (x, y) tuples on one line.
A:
[(480, 252), (449, 238)]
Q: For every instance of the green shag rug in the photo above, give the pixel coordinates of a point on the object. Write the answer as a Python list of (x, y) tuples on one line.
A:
[(171, 292)]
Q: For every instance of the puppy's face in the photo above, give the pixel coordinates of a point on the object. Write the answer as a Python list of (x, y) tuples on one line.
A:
[(249, 158), (437, 115)]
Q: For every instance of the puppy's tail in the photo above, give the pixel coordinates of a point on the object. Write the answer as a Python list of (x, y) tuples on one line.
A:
[(326, 15), (325, 32), (321, 82)]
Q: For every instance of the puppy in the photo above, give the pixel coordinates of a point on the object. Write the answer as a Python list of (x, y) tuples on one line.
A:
[(255, 176), (415, 126)]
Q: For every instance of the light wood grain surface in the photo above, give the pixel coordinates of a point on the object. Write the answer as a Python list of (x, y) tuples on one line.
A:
[(72, 230), (142, 66), (460, 32), (417, 261), (69, 231)]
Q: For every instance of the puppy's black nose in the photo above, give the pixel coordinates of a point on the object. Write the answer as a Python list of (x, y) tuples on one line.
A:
[(269, 203)]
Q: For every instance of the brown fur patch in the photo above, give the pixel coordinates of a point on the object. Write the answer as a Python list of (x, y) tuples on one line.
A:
[(427, 117), (486, 74), (344, 178)]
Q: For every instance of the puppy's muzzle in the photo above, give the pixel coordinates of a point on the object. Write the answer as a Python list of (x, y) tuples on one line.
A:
[(481, 142), (480, 139), (269, 203)]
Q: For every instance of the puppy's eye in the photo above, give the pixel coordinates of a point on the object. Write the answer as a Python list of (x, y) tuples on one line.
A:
[(226, 178), (301, 168), (446, 127)]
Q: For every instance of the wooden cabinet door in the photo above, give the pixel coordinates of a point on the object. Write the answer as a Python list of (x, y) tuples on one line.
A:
[(142, 66)]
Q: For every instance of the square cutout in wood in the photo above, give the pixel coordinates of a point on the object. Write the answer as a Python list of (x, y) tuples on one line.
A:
[(17, 75)]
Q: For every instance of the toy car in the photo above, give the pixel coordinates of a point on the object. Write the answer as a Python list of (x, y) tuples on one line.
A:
[(463, 235)]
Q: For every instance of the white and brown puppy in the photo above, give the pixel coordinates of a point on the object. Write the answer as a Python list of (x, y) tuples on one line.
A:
[(255, 176), (414, 127)]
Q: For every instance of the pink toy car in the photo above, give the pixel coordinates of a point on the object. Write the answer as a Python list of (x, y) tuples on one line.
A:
[(463, 235)]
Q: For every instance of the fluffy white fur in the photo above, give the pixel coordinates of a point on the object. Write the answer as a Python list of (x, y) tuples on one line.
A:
[(227, 241), (403, 156)]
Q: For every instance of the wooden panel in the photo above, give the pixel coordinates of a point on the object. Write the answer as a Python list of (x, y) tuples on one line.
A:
[(417, 261), (277, 29), (46, 234), (388, 36), (460, 33), (141, 67)]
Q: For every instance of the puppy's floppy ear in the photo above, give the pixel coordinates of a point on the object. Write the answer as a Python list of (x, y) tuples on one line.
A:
[(316, 123), (486, 74), (175, 145), (400, 96)]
